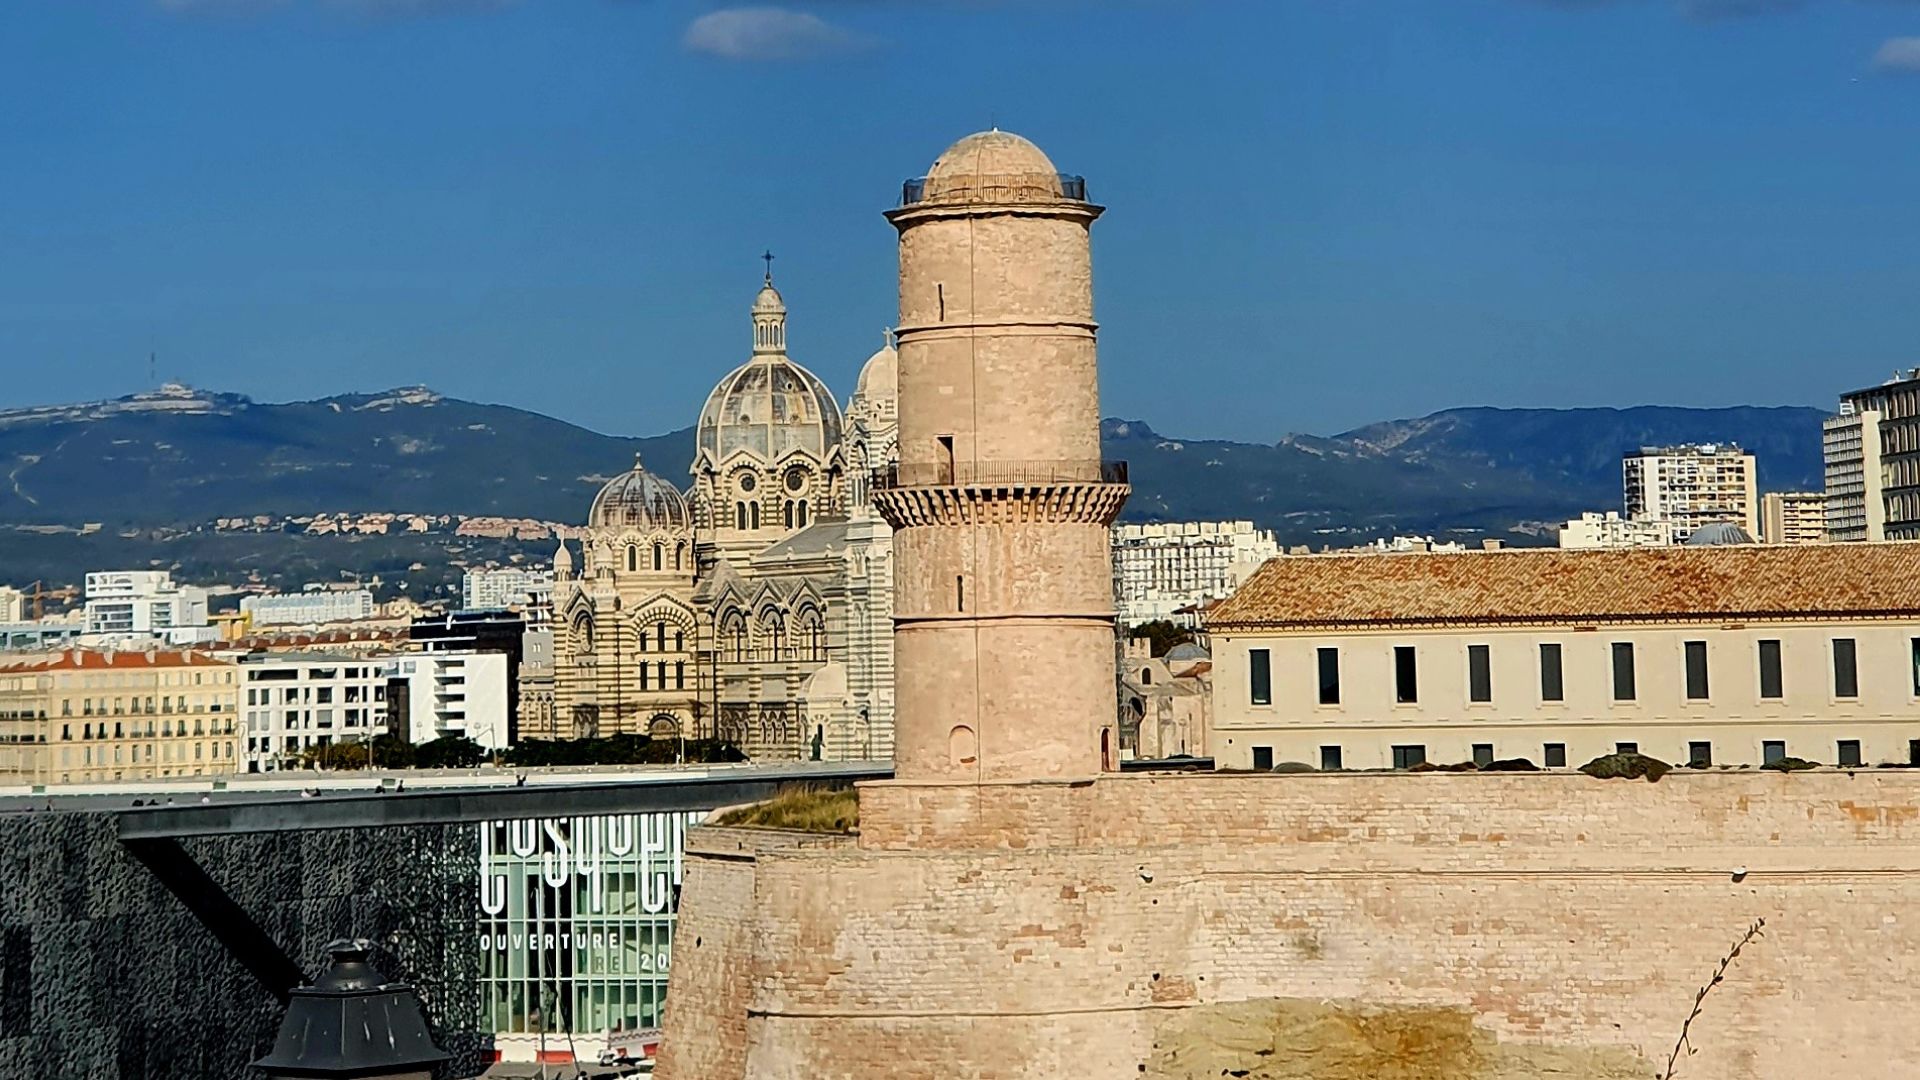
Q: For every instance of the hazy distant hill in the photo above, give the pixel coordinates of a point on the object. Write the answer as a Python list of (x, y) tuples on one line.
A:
[(178, 457)]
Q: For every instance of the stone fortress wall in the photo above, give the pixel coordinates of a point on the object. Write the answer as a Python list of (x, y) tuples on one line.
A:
[(1438, 926)]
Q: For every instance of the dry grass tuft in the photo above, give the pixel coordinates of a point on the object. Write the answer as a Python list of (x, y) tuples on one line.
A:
[(803, 807)]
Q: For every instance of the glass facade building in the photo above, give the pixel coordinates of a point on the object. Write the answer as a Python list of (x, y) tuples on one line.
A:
[(576, 922)]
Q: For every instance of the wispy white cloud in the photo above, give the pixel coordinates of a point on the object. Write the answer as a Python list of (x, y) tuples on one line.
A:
[(1901, 54), (769, 33)]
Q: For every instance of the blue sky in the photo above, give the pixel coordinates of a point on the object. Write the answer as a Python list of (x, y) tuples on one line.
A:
[(1322, 212)]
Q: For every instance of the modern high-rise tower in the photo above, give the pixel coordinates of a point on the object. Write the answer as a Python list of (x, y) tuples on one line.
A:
[(1003, 611)]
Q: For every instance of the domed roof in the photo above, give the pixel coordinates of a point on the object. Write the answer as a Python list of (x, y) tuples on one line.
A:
[(992, 153), (1720, 532), (640, 500), (880, 375), (769, 406), (994, 166)]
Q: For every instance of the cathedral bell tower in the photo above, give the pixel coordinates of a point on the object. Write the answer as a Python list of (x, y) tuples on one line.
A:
[(1004, 620)]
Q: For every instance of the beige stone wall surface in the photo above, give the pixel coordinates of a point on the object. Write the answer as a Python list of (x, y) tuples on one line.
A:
[(1437, 926)]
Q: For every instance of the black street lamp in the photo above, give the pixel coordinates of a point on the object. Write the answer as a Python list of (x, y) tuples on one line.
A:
[(351, 1024)]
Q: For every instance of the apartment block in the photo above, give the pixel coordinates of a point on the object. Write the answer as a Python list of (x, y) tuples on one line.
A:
[(294, 702), (1691, 486), (1872, 451), (1728, 655), (1793, 517), (132, 605), (1161, 568), (81, 716), (435, 694), (314, 607), (1610, 530)]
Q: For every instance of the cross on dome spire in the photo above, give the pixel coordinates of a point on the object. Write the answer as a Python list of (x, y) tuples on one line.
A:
[(768, 255)]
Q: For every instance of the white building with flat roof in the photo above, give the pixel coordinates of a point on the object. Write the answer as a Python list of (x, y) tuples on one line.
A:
[(503, 587), (314, 607), (1610, 530), (13, 605), (1690, 486), (1160, 569), (129, 605), (293, 702), (449, 693)]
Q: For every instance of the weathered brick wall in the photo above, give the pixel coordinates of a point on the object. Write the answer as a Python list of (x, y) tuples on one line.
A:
[(105, 976), (1550, 909)]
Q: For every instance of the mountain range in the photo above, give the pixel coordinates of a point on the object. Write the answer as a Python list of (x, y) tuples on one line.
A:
[(180, 457)]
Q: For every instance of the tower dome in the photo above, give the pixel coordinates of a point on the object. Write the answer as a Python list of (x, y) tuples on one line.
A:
[(768, 406), (640, 500), (994, 167)]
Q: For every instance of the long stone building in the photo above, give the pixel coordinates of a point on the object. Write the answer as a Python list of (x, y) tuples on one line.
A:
[(755, 606)]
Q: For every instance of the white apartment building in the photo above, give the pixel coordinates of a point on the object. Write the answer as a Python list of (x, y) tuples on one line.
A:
[(1160, 569), (1856, 504), (292, 702), (435, 694), (1610, 530), (1690, 486), (13, 605), (1711, 655), (1872, 450), (1793, 517), (313, 607), (126, 605), (499, 588)]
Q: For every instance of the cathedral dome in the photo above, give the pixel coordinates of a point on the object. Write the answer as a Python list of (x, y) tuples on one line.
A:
[(880, 375), (768, 406), (640, 500)]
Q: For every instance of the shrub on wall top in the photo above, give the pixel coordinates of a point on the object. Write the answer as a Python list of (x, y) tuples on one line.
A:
[(1627, 767)]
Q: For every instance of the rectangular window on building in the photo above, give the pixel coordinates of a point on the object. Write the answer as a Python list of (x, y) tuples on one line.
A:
[(1330, 759), (1846, 672), (1771, 752), (1913, 751), (1914, 646), (1329, 676), (1623, 671), (1551, 688), (1626, 748), (1260, 676), (1847, 753), (1770, 685), (1483, 754), (1696, 655), (1263, 757), (1406, 686), (1406, 757), (1699, 754), (1479, 674), (1555, 754)]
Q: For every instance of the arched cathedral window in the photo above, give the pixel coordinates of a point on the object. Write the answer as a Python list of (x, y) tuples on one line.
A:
[(659, 556), (633, 559), (740, 516)]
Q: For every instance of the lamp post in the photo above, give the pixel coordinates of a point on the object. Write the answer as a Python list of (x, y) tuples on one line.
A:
[(351, 1024)]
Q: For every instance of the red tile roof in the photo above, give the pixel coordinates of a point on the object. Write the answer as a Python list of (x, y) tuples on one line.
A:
[(118, 660), (1620, 585)]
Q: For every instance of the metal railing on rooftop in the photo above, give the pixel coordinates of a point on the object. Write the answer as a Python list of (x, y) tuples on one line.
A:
[(1003, 188), (1000, 474)]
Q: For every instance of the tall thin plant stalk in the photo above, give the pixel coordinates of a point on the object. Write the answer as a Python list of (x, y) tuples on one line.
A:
[(1699, 1000)]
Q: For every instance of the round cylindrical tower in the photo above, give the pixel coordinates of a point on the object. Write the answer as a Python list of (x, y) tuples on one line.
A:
[(1003, 592)]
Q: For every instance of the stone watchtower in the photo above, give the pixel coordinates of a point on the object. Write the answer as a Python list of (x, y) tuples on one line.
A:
[(1004, 594)]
